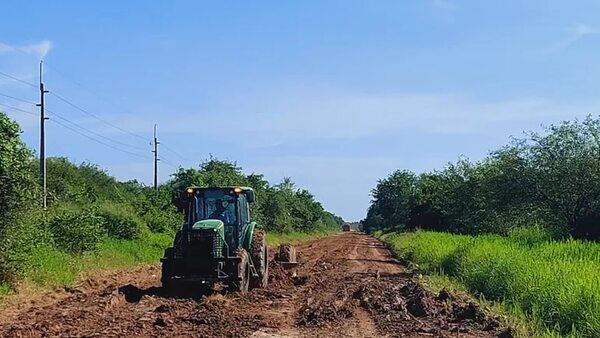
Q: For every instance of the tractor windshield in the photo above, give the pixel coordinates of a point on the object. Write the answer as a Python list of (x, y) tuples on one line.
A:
[(216, 204)]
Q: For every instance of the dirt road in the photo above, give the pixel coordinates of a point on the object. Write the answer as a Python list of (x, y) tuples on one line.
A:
[(347, 285)]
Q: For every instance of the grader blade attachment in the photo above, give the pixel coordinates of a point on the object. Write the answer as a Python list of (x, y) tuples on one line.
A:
[(286, 256)]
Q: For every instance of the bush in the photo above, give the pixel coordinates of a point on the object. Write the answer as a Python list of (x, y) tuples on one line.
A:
[(17, 180), (120, 222), (18, 241), (162, 222), (75, 231)]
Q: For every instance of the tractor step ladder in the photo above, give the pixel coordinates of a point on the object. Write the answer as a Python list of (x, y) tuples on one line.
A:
[(252, 267)]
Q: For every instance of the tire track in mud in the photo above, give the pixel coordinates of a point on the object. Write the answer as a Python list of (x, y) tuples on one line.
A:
[(346, 285)]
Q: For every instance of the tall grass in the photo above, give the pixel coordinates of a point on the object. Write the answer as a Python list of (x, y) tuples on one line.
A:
[(50, 267), (556, 283), (274, 238)]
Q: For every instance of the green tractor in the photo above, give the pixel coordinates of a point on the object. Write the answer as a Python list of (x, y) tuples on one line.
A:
[(218, 241)]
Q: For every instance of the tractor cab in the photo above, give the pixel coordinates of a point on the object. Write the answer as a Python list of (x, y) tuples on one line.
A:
[(224, 210)]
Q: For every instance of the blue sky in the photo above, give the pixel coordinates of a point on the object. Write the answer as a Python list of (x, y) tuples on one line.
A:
[(335, 94)]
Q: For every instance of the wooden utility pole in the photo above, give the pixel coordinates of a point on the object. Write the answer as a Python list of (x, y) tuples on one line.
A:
[(43, 119), (155, 151)]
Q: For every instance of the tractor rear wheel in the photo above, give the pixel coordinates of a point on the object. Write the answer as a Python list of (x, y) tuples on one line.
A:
[(244, 272), (167, 268), (259, 252)]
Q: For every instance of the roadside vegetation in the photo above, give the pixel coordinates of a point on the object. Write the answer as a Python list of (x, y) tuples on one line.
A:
[(95, 222), (554, 283), (519, 227)]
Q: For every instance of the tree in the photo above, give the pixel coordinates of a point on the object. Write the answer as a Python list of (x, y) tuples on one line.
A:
[(17, 181), (566, 180), (212, 173), (549, 179), (393, 199)]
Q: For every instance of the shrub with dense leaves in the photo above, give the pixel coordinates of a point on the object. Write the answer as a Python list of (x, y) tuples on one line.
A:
[(162, 222), (75, 231), (17, 180), (18, 242), (120, 222)]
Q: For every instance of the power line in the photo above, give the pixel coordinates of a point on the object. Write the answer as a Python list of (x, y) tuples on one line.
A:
[(18, 80), (92, 92), (162, 160), (98, 141), (17, 99), (96, 116), (17, 109), (95, 133), (174, 152)]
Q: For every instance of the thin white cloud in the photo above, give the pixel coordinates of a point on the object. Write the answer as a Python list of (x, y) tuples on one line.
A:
[(443, 4), (576, 33), (38, 50), (21, 61), (301, 113)]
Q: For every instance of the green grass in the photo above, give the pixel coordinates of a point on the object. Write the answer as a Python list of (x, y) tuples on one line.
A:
[(274, 239), (509, 316), (4, 291), (114, 253), (50, 267), (555, 284)]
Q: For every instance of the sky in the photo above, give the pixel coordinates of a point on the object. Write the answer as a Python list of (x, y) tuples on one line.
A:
[(334, 94)]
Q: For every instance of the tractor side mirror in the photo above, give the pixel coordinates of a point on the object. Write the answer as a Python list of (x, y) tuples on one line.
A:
[(176, 197), (250, 196), (176, 200)]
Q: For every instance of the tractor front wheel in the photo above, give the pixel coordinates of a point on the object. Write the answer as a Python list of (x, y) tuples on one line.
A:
[(244, 272), (260, 257)]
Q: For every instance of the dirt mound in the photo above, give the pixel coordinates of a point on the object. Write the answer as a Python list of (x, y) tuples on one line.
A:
[(324, 309), (403, 305), (279, 277)]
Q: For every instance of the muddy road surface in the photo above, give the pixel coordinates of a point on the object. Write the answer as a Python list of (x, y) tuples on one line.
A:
[(347, 285)]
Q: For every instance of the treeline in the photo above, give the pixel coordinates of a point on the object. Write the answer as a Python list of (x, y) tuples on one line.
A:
[(88, 209), (549, 180), (279, 208)]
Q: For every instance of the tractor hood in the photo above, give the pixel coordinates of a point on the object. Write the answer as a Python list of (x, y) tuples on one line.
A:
[(209, 224)]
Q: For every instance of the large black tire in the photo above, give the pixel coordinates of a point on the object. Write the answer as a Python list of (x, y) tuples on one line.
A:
[(244, 271), (259, 251), (167, 268)]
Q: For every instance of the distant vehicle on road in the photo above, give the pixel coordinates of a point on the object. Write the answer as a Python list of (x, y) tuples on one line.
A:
[(346, 227)]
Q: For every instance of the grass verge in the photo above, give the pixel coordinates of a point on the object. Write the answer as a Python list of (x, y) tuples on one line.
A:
[(50, 267), (553, 284), (4, 291), (274, 239)]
